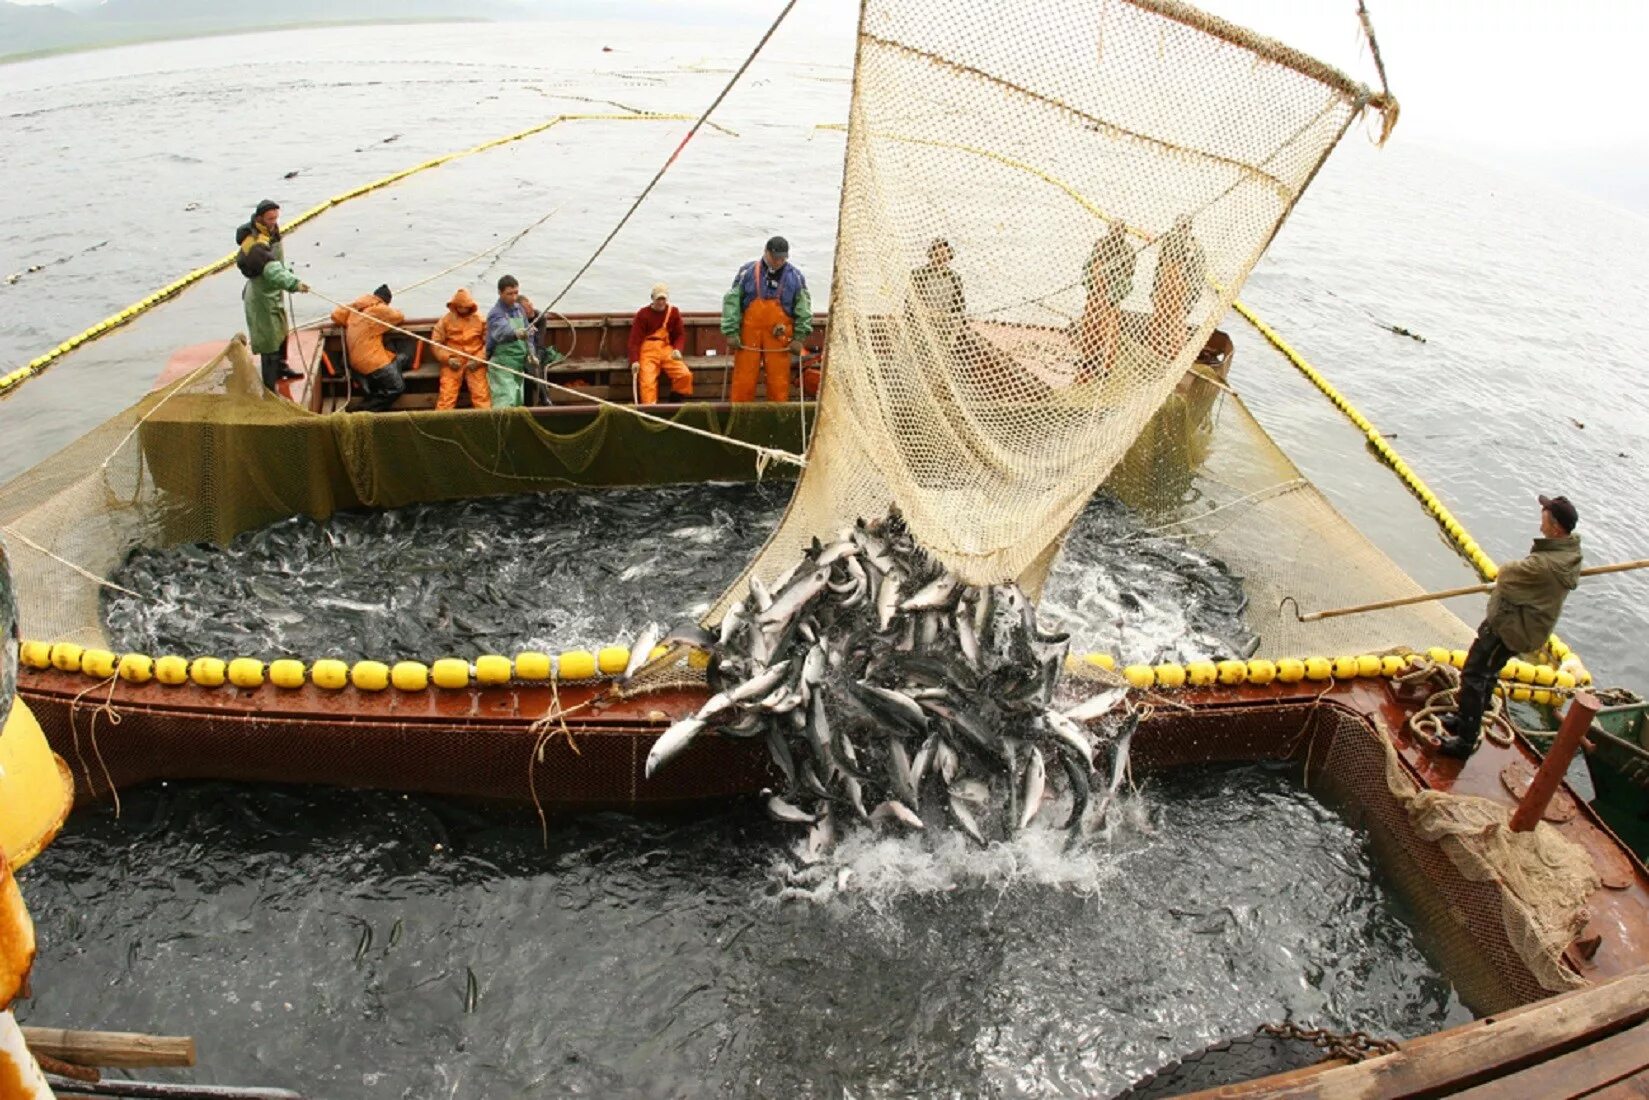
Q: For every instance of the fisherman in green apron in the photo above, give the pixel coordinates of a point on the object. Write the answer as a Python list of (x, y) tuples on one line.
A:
[(510, 340), (261, 258)]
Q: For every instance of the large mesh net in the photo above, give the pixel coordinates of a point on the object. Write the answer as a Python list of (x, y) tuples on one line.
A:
[(1045, 209)]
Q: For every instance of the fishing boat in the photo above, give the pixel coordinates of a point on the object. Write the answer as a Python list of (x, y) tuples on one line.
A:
[(1536, 910)]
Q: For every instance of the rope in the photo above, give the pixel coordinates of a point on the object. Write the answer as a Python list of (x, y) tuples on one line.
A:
[(763, 454), (9, 382), (728, 87), (1385, 103), (84, 572), (1452, 528)]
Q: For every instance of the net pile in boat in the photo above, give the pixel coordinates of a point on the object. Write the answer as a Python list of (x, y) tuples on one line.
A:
[(1046, 207)]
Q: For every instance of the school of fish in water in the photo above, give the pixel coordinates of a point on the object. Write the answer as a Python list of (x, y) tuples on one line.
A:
[(889, 691)]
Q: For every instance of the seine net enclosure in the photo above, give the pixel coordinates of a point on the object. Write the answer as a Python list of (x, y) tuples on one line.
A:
[(1106, 175)]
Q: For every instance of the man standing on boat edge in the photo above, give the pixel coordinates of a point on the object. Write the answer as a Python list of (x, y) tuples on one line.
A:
[(765, 317), (261, 257), (509, 343), (1523, 608)]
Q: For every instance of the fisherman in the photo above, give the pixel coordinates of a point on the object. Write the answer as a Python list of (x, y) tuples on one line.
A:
[(1108, 277), (765, 317), (365, 320), (510, 339), (261, 257), (937, 299), (657, 337), (1523, 608), (460, 340), (1182, 271)]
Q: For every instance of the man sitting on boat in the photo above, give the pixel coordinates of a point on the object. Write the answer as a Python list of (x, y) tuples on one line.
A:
[(1523, 608), (365, 320), (510, 338), (656, 339), (262, 259), (461, 346), (765, 317)]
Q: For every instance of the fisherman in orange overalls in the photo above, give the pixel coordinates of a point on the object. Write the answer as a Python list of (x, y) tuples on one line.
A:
[(657, 337), (765, 317), (462, 339)]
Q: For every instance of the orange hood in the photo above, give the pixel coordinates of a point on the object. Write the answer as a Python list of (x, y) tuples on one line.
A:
[(463, 303)]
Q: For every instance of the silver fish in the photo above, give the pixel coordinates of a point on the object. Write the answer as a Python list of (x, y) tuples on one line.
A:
[(855, 796), (924, 757), (932, 596), (813, 666), (1097, 706), (1070, 733), (900, 771), (760, 684), (731, 622), (717, 707), (780, 810), (671, 742), (642, 651), (789, 604), (822, 837), (836, 551), (1119, 766), (897, 703), (1036, 783), (895, 811), (964, 817), (759, 595), (887, 600), (946, 760), (779, 750), (966, 637), (976, 791)]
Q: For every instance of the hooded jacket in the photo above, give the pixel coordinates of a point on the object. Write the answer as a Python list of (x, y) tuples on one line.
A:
[(364, 336), (463, 329), (1529, 593)]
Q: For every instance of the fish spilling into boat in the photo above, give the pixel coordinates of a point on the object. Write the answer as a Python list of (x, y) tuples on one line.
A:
[(887, 690)]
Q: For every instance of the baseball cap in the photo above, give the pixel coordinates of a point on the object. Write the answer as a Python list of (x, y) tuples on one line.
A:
[(1561, 510)]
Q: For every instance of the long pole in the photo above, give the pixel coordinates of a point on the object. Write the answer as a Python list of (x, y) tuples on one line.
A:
[(1450, 593)]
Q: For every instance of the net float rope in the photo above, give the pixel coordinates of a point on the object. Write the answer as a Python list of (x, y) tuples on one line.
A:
[(1522, 680), (10, 381), (1446, 521)]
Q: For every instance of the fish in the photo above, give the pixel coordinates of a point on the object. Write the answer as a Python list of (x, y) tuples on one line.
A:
[(761, 684), (899, 762), (641, 652), (759, 595), (689, 634), (894, 705), (1097, 706), (895, 812), (1036, 779), (781, 810), (1119, 765), (887, 601), (934, 595), (821, 838), (1069, 734), (472, 991), (671, 742), (964, 818)]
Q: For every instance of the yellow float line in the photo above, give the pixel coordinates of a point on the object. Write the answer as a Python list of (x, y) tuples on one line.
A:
[(11, 381), (1536, 682), (1452, 527)]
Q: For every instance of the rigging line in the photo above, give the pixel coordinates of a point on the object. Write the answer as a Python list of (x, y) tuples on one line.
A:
[(763, 454), (734, 79)]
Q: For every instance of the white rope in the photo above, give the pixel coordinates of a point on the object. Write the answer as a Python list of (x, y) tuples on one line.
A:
[(84, 572), (763, 454)]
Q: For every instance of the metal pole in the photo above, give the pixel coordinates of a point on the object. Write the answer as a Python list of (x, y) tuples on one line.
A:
[(1576, 722)]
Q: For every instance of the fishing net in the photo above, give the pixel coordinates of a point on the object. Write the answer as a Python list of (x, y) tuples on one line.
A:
[(1045, 209)]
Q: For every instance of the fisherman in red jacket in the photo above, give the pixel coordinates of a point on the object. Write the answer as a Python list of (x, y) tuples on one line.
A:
[(656, 339)]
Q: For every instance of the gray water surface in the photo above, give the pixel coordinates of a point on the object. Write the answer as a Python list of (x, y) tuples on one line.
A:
[(324, 941)]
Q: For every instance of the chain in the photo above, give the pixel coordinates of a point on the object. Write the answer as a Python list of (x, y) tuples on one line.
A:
[(1352, 1046)]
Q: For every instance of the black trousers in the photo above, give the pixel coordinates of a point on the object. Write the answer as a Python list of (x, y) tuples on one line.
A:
[(1484, 660), (274, 365), (385, 384)]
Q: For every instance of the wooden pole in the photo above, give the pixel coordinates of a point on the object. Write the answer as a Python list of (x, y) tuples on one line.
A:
[(111, 1049), (1576, 721), (155, 1090), (1450, 593)]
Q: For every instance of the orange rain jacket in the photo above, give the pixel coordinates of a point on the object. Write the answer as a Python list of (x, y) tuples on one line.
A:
[(365, 335), (463, 329)]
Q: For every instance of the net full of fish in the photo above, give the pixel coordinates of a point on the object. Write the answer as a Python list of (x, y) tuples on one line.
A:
[(889, 691)]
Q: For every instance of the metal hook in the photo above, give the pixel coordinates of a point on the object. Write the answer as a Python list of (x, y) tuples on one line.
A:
[(1291, 600)]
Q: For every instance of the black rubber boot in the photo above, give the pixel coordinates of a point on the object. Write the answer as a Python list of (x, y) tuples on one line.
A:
[(1457, 747)]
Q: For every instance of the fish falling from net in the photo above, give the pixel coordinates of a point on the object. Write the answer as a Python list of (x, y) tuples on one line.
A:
[(889, 691)]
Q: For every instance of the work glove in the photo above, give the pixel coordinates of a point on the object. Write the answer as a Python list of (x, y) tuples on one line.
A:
[(796, 347), (733, 344)]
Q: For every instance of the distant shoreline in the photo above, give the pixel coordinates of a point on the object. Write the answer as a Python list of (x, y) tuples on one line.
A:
[(185, 36)]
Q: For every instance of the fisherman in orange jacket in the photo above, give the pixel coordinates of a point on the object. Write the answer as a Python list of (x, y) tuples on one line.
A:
[(365, 321), (461, 339), (656, 339)]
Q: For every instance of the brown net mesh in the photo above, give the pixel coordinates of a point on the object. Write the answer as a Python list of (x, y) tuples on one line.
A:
[(1107, 175)]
